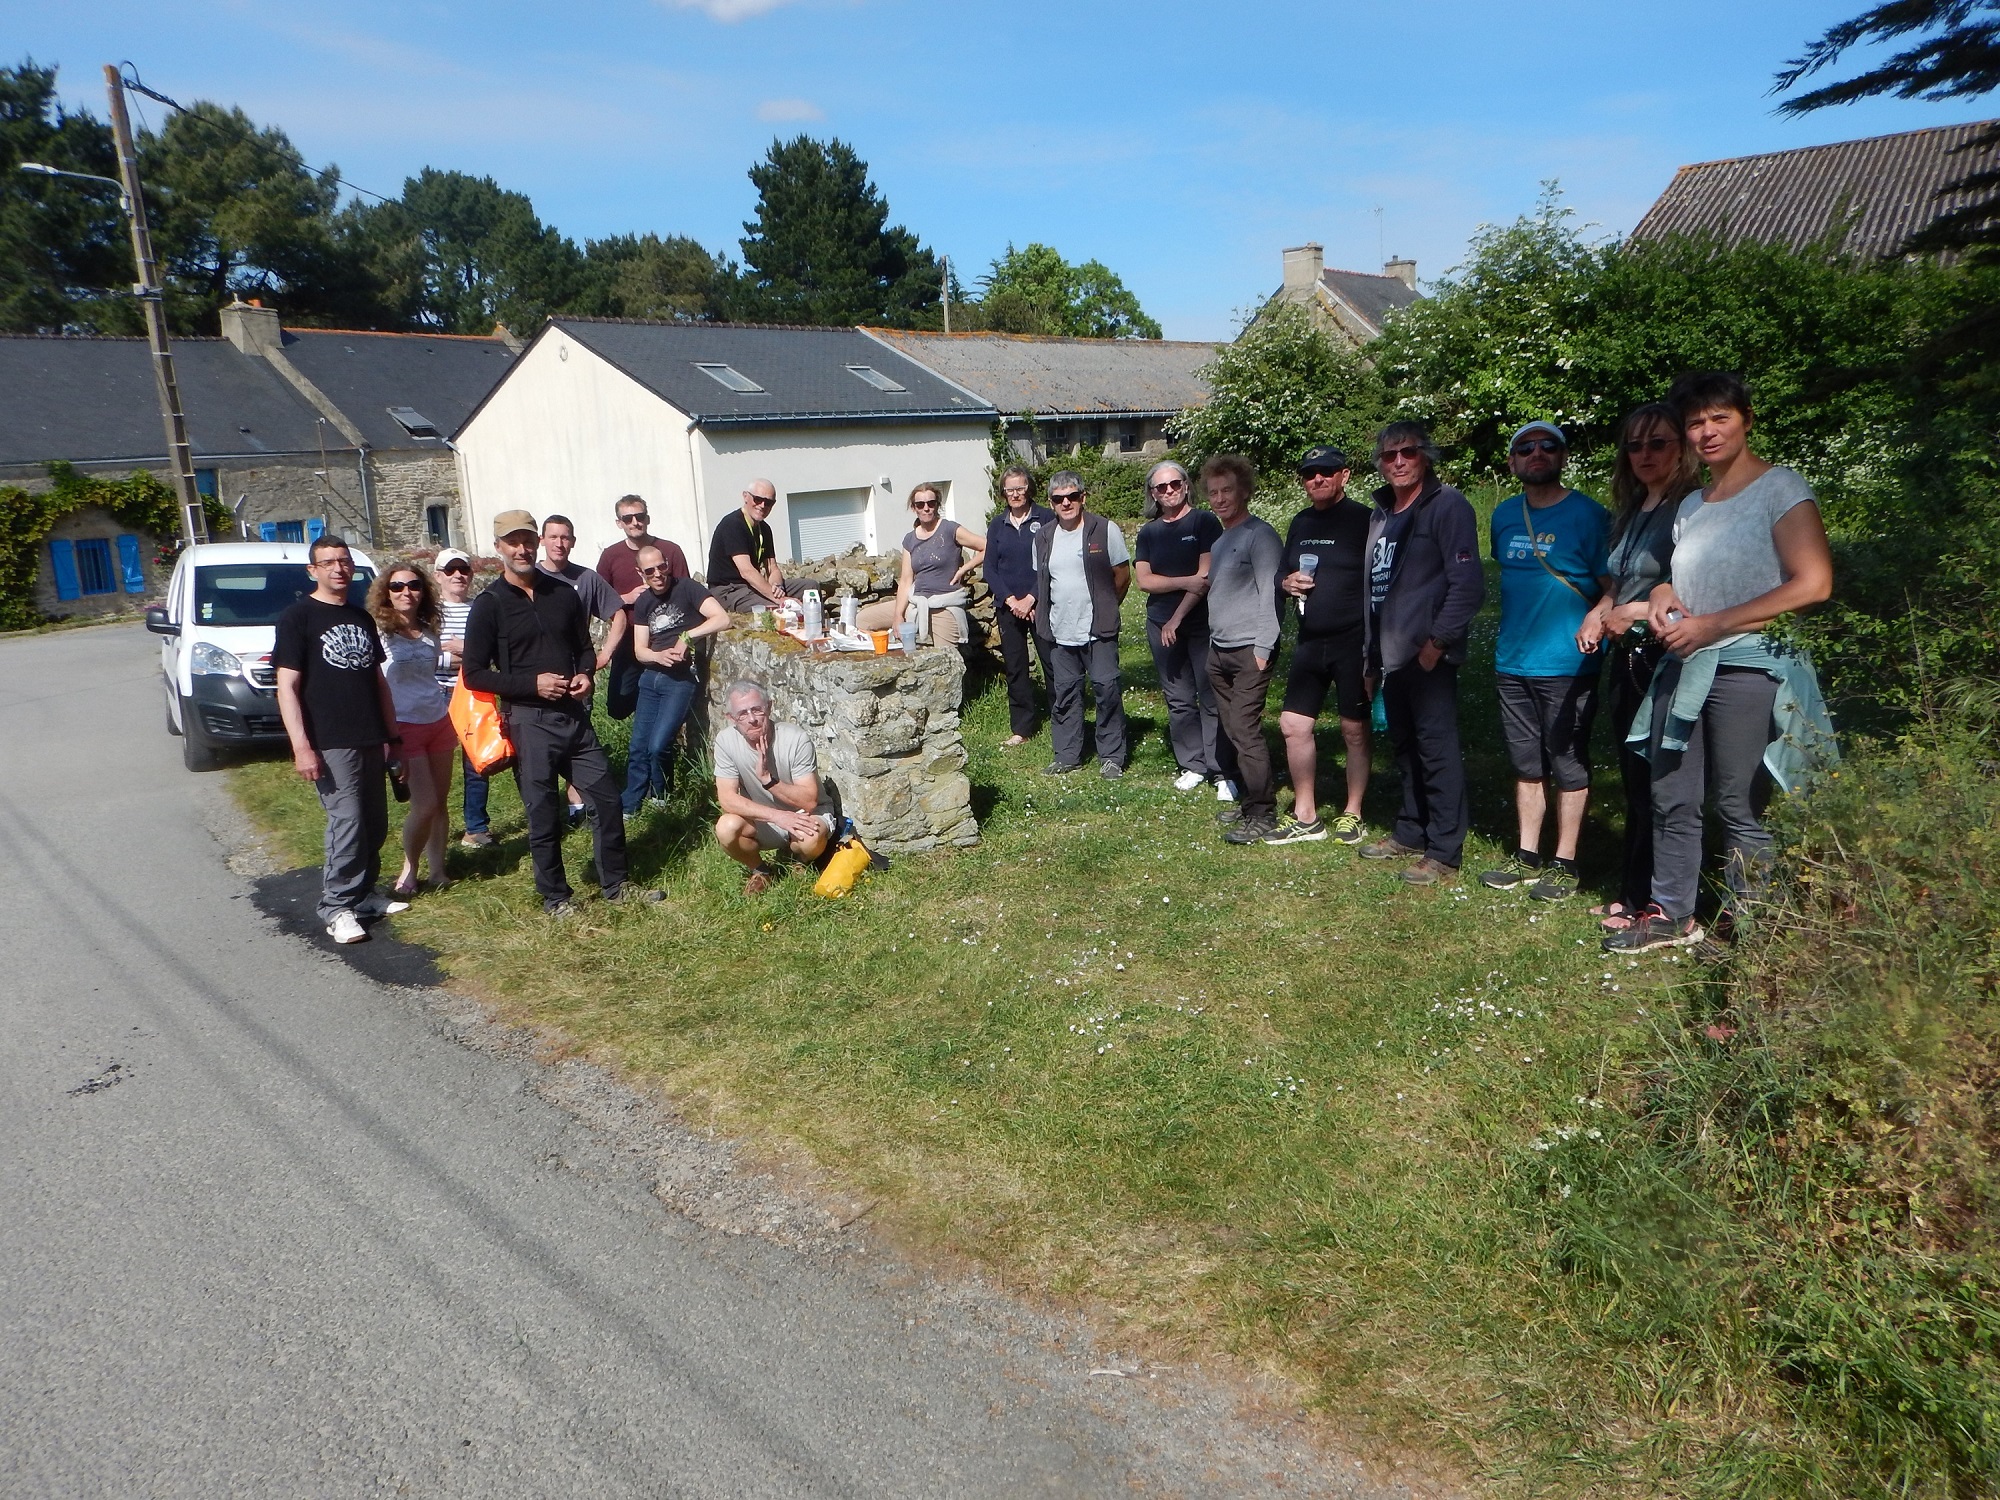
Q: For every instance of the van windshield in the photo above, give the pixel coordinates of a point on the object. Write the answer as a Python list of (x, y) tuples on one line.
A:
[(256, 593)]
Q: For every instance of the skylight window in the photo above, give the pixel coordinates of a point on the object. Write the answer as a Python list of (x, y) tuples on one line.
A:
[(733, 379), (414, 422), (875, 378)]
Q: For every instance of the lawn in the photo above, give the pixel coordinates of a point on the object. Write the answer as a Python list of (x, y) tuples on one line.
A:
[(1267, 1101)]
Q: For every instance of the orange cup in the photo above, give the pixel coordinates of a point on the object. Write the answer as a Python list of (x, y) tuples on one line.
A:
[(881, 640)]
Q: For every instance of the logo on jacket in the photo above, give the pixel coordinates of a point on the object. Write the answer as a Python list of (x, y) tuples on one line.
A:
[(351, 648)]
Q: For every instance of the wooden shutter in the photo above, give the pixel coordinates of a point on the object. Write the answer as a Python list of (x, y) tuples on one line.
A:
[(130, 565), (62, 557)]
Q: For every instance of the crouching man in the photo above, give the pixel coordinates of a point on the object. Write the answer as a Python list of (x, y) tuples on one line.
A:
[(767, 784)]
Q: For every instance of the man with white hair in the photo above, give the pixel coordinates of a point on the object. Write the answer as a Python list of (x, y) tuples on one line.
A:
[(767, 784), (1172, 558), (743, 567)]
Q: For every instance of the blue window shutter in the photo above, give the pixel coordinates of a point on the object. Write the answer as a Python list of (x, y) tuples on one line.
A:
[(63, 556), (268, 530), (130, 566), (315, 529)]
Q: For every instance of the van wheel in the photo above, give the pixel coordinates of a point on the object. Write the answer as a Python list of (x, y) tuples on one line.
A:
[(172, 728), (197, 754)]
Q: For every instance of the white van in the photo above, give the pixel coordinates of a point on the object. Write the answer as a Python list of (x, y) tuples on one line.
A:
[(217, 629)]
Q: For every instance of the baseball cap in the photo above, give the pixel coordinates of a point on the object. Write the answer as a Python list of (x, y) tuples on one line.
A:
[(447, 557), (1549, 427), (1325, 456), (510, 521)]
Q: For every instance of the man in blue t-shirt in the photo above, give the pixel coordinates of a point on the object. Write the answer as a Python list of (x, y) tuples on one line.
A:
[(1550, 543)]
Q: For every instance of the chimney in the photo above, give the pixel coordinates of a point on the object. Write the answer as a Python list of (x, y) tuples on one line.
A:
[(1303, 265), (508, 337), (1403, 270), (251, 328)]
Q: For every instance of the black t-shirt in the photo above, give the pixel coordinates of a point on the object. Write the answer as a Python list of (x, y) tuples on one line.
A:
[(1174, 549), (666, 616), (1382, 562), (1338, 537), (733, 536), (336, 652)]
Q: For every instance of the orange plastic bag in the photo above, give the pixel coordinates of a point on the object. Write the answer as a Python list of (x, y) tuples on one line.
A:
[(481, 730), (838, 878)]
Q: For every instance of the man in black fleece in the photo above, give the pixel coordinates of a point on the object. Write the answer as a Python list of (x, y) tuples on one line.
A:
[(1425, 584)]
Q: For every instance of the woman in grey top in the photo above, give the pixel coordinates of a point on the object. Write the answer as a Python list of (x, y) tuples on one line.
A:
[(404, 602), (1748, 550), (1654, 471), (933, 568)]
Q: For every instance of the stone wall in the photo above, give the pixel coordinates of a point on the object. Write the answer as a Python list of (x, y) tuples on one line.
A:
[(873, 576), (886, 730), (406, 484)]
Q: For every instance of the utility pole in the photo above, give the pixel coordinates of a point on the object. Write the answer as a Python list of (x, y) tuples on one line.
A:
[(945, 261), (194, 524)]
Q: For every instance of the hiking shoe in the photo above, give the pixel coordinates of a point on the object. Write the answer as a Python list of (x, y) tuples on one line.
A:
[(1654, 929), (480, 840), (577, 813), (1229, 814), (1292, 831), (1516, 871), (1428, 871), (758, 883), (626, 895), (1388, 849), (1187, 781), (375, 904), (1346, 829), (1225, 789), (563, 908), (1110, 770), (347, 928), (1556, 884), (1251, 831), (1061, 768)]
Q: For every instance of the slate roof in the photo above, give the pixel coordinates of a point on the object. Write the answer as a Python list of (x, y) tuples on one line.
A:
[(804, 372), (92, 399), (1890, 182), (1063, 376), (1370, 296), (364, 374)]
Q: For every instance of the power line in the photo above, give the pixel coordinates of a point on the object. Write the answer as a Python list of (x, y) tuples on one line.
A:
[(129, 78)]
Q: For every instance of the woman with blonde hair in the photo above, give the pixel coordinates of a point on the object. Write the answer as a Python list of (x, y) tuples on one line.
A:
[(404, 602), (928, 592)]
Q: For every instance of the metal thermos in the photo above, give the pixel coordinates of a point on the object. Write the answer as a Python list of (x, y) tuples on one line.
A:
[(850, 614), (815, 617)]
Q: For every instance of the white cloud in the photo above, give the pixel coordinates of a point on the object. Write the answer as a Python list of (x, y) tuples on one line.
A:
[(727, 11), (790, 109)]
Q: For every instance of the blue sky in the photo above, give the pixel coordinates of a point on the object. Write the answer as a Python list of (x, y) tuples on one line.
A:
[(1183, 144)]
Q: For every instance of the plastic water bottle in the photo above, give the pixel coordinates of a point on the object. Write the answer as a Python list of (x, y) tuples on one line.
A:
[(814, 615)]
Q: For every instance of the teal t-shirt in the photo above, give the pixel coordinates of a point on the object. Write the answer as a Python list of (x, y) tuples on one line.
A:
[(1541, 607)]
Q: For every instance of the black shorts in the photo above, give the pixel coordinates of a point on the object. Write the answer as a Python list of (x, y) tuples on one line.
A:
[(1546, 721), (1320, 663)]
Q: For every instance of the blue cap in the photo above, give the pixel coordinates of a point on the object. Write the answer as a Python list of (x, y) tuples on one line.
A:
[(1549, 427)]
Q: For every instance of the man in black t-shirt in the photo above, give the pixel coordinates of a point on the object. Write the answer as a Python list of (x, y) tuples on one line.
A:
[(666, 617), (743, 555), (1326, 556), (341, 722), (1172, 557)]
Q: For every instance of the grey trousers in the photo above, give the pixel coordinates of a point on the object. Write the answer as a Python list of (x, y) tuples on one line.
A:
[(1068, 666), (1724, 761), (1193, 727), (355, 794)]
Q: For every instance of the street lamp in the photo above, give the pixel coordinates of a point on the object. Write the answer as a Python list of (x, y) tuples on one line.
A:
[(39, 169)]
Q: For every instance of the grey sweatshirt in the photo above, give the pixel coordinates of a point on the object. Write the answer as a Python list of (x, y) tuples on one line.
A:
[(1243, 587)]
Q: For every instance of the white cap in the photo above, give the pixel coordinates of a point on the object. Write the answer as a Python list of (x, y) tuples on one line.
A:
[(449, 555)]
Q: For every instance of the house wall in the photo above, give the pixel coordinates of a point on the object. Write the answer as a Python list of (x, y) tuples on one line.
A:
[(1107, 434), (406, 485), (90, 521), (836, 458), (568, 432), (287, 487)]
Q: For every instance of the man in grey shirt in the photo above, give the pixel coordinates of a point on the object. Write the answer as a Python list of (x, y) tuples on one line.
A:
[(1243, 568), (767, 784), (1082, 570)]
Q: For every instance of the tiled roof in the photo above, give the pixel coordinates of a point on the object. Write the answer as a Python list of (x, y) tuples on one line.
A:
[(92, 400), (1367, 294), (1889, 183), (1064, 376), (364, 374), (806, 374)]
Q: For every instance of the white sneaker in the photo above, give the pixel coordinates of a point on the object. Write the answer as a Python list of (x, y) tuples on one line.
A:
[(1187, 781), (375, 904), (347, 928), (1225, 790)]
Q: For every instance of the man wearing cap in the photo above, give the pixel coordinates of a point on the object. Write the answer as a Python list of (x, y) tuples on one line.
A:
[(1172, 569), (743, 567), (618, 565), (1326, 572), (527, 641), (1550, 542)]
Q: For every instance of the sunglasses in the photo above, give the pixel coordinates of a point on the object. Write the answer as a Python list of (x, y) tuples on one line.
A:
[(1168, 486), (1536, 445), (456, 570), (1076, 495), (1326, 473), (649, 572), (923, 505), (763, 499), (1651, 444), (1407, 455), (638, 515), (406, 586)]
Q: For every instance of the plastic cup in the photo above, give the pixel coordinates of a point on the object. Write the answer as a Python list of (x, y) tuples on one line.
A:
[(1309, 563), (881, 641), (909, 633), (760, 618)]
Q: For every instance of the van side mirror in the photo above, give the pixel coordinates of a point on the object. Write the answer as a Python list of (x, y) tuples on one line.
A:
[(158, 623)]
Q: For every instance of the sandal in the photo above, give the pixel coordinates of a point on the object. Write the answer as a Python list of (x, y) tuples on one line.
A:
[(404, 892), (1014, 739), (1615, 916)]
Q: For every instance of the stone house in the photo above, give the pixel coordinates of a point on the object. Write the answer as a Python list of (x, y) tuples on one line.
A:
[(1114, 395), (686, 415), (1351, 304)]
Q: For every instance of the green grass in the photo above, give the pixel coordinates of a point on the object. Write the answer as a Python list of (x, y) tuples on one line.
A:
[(1259, 1100)]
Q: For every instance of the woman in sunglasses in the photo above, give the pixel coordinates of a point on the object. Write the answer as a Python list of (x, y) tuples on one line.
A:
[(928, 592), (405, 606), (1654, 471)]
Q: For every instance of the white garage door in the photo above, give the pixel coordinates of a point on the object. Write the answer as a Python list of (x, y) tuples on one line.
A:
[(827, 522)]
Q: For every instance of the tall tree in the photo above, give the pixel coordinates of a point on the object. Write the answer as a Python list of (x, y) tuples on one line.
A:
[(821, 250), (644, 276), (1034, 290), (63, 256), (483, 257)]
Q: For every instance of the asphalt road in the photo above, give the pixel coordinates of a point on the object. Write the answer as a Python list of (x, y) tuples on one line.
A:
[(267, 1229)]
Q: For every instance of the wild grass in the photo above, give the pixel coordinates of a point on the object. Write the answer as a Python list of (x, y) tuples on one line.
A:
[(1423, 1152)]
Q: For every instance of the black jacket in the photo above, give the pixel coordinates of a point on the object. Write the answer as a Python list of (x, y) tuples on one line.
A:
[(510, 639), (1436, 583)]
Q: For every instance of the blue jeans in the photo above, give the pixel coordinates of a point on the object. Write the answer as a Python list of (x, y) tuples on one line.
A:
[(664, 701), (475, 797)]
